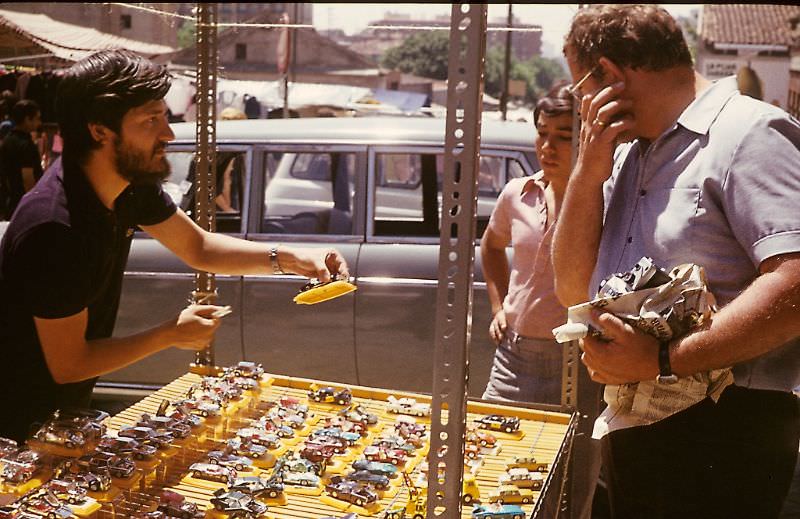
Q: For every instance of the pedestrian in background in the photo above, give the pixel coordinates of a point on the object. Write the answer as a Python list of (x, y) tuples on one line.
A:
[(527, 365), (20, 161)]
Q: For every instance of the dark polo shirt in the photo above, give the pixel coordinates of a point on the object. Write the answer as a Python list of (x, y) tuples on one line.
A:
[(63, 251), (18, 151)]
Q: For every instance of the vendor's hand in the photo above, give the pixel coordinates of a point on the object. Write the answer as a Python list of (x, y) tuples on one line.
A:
[(604, 116), (629, 356), (497, 328), (194, 327), (319, 263)]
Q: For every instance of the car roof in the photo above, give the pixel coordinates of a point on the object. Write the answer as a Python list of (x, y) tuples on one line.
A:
[(357, 130)]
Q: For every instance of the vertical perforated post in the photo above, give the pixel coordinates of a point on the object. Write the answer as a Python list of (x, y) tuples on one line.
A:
[(456, 258), (206, 158)]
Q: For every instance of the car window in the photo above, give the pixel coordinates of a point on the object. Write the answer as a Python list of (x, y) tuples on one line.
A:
[(402, 207), (308, 193), (229, 196), (515, 169)]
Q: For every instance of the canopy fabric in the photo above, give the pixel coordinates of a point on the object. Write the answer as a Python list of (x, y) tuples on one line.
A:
[(25, 34)]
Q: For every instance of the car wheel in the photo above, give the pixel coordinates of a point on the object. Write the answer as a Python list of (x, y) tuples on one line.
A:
[(419, 516), (239, 467), (483, 443), (52, 515), (359, 502), (467, 499), (335, 494), (204, 413), (219, 507), (341, 402), (68, 444), (526, 500), (518, 516), (272, 494), (94, 487)]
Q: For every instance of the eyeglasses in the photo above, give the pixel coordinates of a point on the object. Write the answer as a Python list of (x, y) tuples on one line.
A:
[(575, 91)]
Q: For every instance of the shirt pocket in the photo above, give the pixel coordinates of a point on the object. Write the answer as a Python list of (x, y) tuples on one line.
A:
[(667, 224)]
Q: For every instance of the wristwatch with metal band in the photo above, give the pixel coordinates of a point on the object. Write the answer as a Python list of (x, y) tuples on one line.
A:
[(665, 374), (273, 259)]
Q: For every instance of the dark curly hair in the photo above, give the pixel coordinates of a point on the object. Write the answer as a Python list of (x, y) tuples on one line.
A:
[(634, 36), (557, 101), (101, 89)]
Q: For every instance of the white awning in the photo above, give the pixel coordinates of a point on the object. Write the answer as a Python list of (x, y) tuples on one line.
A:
[(25, 34)]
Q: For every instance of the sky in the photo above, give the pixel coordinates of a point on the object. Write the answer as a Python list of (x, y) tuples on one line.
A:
[(554, 18)]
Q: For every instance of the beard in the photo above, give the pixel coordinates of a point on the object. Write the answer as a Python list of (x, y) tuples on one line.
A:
[(141, 167)]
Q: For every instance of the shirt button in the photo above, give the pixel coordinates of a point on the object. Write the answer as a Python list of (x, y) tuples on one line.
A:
[(630, 239)]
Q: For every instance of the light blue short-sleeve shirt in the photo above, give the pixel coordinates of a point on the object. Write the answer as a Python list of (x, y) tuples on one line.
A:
[(720, 189)]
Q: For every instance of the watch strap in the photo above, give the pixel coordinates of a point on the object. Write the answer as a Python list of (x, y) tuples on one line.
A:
[(665, 374), (273, 259)]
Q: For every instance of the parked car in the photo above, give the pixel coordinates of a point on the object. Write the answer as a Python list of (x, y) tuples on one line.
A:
[(350, 491), (369, 187), (212, 472), (257, 486), (498, 511), (237, 504), (328, 394), (173, 504), (496, 422)]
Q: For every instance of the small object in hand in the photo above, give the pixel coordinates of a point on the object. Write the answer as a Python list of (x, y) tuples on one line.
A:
[(222, 312), (316, 291)]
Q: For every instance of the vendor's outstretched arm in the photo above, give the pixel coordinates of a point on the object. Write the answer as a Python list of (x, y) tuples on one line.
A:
[(71, 358), (214, 252)]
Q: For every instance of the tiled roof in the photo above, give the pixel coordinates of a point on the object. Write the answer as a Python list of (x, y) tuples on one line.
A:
[(754, 24)]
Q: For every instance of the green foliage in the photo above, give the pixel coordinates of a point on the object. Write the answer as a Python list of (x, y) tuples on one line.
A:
[(425, 54), (187, 35)]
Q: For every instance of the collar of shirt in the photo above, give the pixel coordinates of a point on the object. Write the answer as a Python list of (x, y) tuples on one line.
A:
[(704, 110), (535, 180), (80, 192)]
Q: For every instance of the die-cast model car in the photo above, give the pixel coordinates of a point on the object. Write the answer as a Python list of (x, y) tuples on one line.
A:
[(523, 478), (237, 504), (409, 406), (211, 472), (497, 511), (257, 486), (328, 394), (496, 422), (511, 494)]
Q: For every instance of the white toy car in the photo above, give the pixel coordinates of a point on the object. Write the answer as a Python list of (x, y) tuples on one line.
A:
[(409, 406)]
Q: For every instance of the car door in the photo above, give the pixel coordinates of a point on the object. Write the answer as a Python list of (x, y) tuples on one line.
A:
[(398, 269), (305, 196), (158, 285)]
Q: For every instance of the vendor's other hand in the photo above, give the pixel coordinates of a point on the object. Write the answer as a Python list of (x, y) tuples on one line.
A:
[(629, 355), (195, 327), (497, 328), (320, 264)]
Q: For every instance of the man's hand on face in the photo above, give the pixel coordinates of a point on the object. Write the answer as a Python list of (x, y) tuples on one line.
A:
[(604, 117), (629, 356), (195, 327)]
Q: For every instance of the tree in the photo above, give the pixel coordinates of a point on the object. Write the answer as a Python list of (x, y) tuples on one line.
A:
[(425, 54), (186, 35)]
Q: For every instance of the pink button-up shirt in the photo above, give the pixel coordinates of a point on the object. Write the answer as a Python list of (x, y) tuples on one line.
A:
[(520, 218)]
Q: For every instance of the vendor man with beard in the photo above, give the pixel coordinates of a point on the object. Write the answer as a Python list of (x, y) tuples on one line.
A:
[(63, 255)]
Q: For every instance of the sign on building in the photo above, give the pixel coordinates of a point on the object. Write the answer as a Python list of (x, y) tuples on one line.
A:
[(719, 69)]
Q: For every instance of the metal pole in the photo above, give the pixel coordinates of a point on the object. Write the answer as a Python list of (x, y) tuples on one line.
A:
[(507, 66), (206, 144), (456, 258)]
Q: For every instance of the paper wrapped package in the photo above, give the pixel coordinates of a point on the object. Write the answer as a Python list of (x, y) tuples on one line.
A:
[(666, 306)]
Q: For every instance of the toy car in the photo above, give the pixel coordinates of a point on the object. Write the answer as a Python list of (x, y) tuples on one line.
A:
[(46, 504), (64, 490), (328, 394), (496, 422), (350, 491), (498, 511), (256, 486), (147, 435), (318, 291), (339, 445), (297, 464), (237, 504), (199, 407), (165, 424), (248, 369), (407, 426), (523, 478), (94, 481), (408, 406), (125, 446), (358, 413), (240, 463), (381, 469), (259, 437), (364, 476), (98, 461), (303, 479), (16, 472), (511, 494), (293, 404), (334, 432), (478, 437), (269, 424), (471, 451), (383, 455), (346, 425), (244, 447), (172, 504), (528, 463), (8, 448), (317, 453), (211, 472)]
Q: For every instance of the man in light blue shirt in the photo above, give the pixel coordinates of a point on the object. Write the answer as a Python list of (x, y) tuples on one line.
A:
[(709, 177)]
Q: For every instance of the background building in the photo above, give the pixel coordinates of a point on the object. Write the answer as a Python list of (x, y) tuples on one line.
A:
[(756, 41)]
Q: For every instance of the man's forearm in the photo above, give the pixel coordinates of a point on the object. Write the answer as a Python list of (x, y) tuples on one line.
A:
[(759, 320), (496, 274), (576, 239)]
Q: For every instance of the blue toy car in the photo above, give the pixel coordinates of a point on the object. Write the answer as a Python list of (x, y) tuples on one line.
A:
[(497, 511)]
